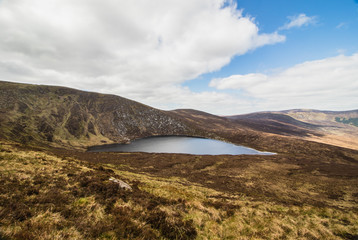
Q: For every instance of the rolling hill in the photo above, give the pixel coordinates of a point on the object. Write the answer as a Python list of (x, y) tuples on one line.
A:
[(64, 117), (332, 127), (51, 188)]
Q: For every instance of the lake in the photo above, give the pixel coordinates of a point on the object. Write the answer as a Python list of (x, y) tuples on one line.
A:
[(179, 144)]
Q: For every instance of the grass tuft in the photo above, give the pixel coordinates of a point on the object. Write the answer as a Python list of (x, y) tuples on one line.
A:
[(48, 197)]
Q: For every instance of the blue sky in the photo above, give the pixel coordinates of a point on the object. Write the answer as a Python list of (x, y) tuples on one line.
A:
[(334, 32), (220, 56)]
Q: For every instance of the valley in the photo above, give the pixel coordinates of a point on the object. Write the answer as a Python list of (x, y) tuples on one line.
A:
[(53, 188)]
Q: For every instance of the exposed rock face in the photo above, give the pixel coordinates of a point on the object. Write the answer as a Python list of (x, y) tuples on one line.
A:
[(68, 117)]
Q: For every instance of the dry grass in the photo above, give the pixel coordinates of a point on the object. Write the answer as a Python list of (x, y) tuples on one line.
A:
[(49, 197), (45, 197), (221, 216)]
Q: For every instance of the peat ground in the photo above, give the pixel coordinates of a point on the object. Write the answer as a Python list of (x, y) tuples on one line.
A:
[(326, 177), (307, 191)]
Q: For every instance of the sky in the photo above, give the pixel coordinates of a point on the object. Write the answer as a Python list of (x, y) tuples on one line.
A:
[(224, 57)]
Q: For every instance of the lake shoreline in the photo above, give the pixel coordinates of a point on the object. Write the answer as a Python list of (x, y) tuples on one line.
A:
[(179, 144)]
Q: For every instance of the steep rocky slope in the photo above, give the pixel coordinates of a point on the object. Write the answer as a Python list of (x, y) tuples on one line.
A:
[(68, 117)]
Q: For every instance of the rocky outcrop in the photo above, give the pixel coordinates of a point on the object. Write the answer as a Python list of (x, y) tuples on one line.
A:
[(67, 117), (121, 184)]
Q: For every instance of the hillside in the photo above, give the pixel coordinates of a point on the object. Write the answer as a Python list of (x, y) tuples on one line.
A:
[(325, 117), (335, 128), (308, 193), (275, 123), (339, 128), (65, 117), (52, 189)]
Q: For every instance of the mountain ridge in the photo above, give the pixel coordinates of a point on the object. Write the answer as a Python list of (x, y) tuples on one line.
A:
[(337, 128), (66, 117), (52, 188)]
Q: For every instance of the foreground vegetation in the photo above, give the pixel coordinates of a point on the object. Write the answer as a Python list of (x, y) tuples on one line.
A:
[(47, 195)]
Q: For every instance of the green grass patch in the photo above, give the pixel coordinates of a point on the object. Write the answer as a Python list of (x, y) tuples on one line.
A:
[(351, 121)]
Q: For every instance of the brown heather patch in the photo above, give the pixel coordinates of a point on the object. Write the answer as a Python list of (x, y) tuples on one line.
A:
[(317, 175), (307, 191), (303, 192), (47, 196)]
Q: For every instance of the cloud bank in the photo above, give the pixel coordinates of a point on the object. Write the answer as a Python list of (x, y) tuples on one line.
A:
[(146, 50), (139, 49), (329, 83)]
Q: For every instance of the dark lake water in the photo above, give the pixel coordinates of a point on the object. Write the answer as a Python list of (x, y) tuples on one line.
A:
[(178, 144)]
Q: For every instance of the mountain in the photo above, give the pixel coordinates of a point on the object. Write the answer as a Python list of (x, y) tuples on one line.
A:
[(275, 123), (338, 128), (52, 189), (325, 118), (67, 117)]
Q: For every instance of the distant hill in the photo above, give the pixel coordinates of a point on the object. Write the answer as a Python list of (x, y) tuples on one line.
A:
[(324, 117), (332, 127), (275, 123)]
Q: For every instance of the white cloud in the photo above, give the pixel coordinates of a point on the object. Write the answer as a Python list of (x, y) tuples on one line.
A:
[(129, 48), (238, 81), (329, 83), (299, 21)]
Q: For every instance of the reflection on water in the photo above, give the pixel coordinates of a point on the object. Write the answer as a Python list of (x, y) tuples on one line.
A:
[(179, 144)]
